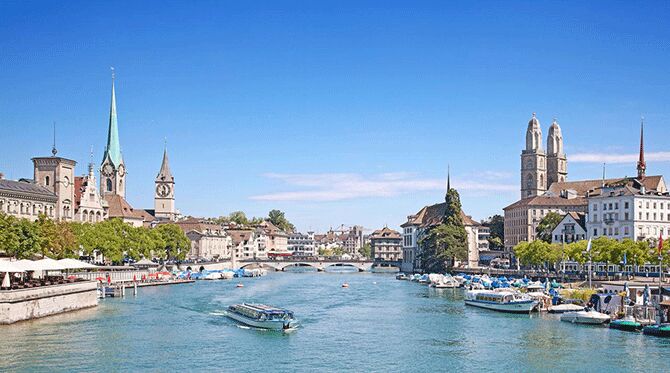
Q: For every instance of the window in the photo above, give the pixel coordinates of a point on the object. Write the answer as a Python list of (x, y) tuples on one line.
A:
[(625, 205), (625, 231), (625, 216), (616, 206), (595, 231), (46, 180), (647, 216), (109, 185), (595, 207), (654, 204)]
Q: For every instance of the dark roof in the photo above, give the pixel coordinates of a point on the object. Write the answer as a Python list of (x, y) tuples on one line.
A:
[(579, 217), (385, 232), (433, 214), (26, 189), (550, 201)]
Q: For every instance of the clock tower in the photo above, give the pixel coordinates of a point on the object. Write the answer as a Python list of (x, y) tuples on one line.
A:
[(164, 194), (113, 169)]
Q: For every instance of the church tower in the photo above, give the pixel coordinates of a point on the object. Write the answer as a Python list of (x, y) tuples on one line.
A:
[(112, 169), (57, 175), (557, 163), (641, 164), (533, 162), (164, 197)]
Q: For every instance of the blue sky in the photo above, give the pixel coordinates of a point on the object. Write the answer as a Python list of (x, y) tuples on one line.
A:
[(337, 112)]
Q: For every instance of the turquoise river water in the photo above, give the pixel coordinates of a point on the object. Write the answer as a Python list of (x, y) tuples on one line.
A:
[(378, 324)]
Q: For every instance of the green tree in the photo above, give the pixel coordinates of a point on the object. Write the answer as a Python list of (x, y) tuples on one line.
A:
[(547, 225), (10, 235), (278, 218), (447, 242), (365, 250), (30, 239), (175, 243), (238, 217), (496, 225), (577, 251)]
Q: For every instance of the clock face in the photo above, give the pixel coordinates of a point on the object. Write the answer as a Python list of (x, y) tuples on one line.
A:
[(122, 170), (66, 181), (107, 170), (163, 190)]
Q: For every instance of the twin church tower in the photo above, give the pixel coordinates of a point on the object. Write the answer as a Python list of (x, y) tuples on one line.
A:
[(539, 169), (113, 172)]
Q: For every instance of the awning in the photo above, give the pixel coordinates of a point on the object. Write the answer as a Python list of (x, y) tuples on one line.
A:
[(75, 264), (7, 266)]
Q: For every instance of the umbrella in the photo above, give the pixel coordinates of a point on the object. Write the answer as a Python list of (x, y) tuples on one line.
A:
[(47, 264), (5, 282), (99, 278), (75, 264), (7, 266)]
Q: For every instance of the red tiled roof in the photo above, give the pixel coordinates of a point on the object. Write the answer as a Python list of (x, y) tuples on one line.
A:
[(433, 215)]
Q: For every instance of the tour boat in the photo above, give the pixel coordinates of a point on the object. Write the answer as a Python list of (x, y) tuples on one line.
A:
[(501, 300), (566, 307), (262, 316), (628, 324), (585, 317), (658, 330)]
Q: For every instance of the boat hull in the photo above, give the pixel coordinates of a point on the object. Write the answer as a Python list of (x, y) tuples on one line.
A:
[(627, 326), (512, 307), (266, 324), (657, 331), (575, 318)]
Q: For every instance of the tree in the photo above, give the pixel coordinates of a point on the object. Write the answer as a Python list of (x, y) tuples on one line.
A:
[(496, 225), (9, 235), (547, 225), (447, 242), (365, 250), (175, 244), (238, 217), (278, 218), (58, 240)]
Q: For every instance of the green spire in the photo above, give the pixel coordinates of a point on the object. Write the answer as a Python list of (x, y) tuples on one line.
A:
[(113, 149)]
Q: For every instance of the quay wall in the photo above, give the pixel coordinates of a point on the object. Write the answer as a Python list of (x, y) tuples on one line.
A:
[(27, 304)]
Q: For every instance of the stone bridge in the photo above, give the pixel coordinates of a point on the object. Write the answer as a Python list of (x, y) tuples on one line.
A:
[(319, 265)]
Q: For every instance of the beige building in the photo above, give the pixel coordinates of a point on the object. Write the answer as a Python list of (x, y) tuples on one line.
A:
[(274, 240), (57, 175), (89, 205), (208, 241), (246, 244), (386, 245), (26, 199)]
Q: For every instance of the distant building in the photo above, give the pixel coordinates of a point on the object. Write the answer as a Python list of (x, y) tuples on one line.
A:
[(57, 175), (164, 207), (208, 241), (351, 239), (386, 245), (89, 205), (246, 243), (26, 199), (419, 224), (572, 228), (274, 239), (301, 244)]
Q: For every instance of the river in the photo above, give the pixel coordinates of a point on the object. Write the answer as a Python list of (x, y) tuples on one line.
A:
[(378, 324)]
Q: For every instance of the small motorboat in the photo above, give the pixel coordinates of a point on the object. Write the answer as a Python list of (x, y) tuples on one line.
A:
[(262, 316), (401, 276), (628, 324), (657, 330), (585, 317), (239, 285), (566, 307), (345, 285)]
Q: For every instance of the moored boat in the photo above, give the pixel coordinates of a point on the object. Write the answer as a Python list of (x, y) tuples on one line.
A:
[(585, 317), (566, 307), (502, 301), (658, 330), (628, 324), (262, 316)]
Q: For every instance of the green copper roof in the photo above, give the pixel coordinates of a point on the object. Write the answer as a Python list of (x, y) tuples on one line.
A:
[(113, 148)]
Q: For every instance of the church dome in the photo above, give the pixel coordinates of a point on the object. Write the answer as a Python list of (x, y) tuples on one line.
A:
[(534, 135), (555, 139)]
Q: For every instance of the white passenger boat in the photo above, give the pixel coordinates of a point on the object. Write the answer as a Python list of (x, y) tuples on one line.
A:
[(262, 316), (585, 317), (500, 300), (567, 307)]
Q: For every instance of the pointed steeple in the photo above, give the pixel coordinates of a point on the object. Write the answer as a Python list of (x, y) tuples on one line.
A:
[(165, 174), (113, 149), (641, 164)]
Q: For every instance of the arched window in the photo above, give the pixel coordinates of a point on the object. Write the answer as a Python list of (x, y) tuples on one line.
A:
[(529, 181), (109, 185), (46, 180), (541, 181)]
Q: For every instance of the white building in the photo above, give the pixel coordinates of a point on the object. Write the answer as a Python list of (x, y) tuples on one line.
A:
[(572, 228), (301, 244), (208, 241), (630, 208)]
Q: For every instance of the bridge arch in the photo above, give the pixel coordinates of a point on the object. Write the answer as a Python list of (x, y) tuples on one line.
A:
[(344, 265), (300, 264)]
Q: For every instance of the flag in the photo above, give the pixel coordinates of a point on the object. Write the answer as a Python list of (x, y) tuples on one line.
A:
[(588, 246)]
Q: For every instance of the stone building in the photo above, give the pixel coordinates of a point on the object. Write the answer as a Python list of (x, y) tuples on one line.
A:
[(208, 241), (386, 245), (164, 207), (301, 244), (57, 175), (26, 199), (419, 224), (89, 205)]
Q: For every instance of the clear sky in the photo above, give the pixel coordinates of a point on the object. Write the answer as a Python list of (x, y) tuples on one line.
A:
[(337, 112)]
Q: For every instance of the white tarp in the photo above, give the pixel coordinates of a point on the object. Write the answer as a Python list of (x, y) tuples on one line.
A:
[(7, 266), (75, 264)]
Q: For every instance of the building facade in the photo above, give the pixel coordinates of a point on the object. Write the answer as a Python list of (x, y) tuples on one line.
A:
[(386, 245), (57, 175), (572, 228), (89, 205), (208, 241), (301, 244), (25, 199)]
